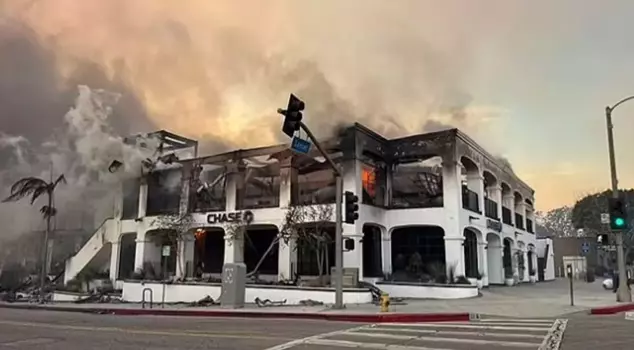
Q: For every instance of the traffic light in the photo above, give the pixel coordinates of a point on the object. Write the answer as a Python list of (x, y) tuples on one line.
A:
[(618, 214), (602, 239), (348, 244), (352, 208), (292, 115)]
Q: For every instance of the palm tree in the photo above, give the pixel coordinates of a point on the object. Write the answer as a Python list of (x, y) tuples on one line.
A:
[(35, 188)]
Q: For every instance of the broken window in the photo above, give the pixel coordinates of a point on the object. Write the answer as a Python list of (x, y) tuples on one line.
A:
[(261, 186), (417, 185), (209, 189), (130, 208), (373, 179), (164, 192), (314, 187)]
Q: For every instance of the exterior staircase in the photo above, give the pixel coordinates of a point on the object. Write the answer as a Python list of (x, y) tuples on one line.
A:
[(95, 253)]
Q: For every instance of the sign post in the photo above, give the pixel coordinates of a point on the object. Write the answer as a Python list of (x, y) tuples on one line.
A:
[(300, 145), (605, 218), (585, 248), (166, 251), (569, 273)]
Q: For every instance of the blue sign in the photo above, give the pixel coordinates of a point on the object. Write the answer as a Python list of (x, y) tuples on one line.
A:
[(300, 145), (585, 248)]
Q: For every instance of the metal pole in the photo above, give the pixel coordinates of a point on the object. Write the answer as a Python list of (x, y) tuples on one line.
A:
[(312, 137), (338, 245), (338, 278), (622, 294), (572, 293)]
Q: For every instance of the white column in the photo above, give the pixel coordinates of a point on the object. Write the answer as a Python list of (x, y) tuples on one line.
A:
[(483, 265), (185, 256), (475, 182), (118, 201), (141, 245), (386, 248), (526, 271), (454, 254), (452, 198), (234, 245), (142, 199), (287, 260), (287, 252), (115, 249)]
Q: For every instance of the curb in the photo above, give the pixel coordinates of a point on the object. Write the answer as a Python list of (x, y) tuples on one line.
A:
[(358, 318), (611, 310)]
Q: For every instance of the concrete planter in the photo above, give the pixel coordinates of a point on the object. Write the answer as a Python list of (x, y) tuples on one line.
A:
[(509, 281), (532, 279)]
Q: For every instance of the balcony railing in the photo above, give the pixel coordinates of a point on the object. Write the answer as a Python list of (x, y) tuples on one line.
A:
[(470, 200), (491, 209), (519, 221), (506, 216), (529, 225)]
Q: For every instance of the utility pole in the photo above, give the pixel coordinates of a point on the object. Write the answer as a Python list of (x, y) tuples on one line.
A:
[(293, 122), (623, 293)]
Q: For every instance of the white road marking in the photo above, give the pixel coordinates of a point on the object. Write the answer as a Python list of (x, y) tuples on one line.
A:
[(307, 340), (469, 326), (552, 341), (445, 340), (359, 345), (517, 320), (462, 333), (481, 334)]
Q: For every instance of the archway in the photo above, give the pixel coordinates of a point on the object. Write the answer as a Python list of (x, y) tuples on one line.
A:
[(507, 258), (372, 251), (470, 246), (209, 253), (127, 254), (508, 204), (519, 212), (494, 259), (491, 201), (418, 253), (471, 184), (261, 247)]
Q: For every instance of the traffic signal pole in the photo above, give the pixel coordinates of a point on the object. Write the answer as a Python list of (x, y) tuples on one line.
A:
[(338, 218), (623, 293)]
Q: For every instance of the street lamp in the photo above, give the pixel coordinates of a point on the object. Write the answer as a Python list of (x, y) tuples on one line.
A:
[(623, 293)]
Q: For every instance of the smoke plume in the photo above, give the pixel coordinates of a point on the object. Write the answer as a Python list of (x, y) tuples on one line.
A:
[(217, 71)]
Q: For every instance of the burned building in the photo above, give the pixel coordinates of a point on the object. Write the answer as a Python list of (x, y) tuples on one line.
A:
[(425, 200)]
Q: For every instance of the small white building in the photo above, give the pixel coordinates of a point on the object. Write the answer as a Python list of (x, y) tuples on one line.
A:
[(436, 199)]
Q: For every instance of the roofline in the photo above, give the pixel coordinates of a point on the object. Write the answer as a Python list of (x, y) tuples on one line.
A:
[(464, 137)]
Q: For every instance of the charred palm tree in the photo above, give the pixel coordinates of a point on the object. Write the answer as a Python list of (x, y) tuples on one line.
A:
[(34, 188)]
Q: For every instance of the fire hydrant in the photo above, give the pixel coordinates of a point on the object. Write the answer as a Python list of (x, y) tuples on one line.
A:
[(384, 302)]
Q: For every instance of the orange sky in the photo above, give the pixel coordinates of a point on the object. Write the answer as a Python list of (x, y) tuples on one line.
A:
[(516, 77)]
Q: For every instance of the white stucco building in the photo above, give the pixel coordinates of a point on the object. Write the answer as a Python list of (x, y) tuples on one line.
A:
[(425, 200)]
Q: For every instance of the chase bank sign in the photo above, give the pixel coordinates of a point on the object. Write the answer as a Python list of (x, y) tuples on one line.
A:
[(237, 216)]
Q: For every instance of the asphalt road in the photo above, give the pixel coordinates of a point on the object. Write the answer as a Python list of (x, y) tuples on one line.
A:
[(29, 329), (591, 332)]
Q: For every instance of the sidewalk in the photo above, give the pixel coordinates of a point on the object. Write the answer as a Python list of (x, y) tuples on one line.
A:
[(542, 300), (352, 313)]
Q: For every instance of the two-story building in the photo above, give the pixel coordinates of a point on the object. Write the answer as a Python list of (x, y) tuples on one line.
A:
[(435, 199)]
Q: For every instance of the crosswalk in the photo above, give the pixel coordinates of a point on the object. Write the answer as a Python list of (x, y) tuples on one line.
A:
[(539, 334)]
